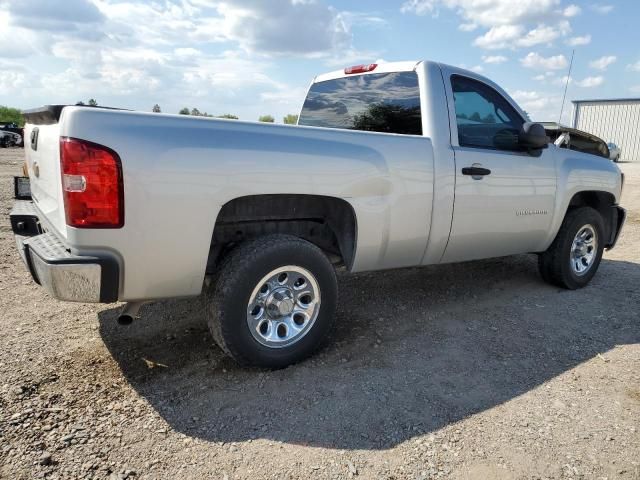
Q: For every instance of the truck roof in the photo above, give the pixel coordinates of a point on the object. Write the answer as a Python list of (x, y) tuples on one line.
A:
[(384, 67), (387, 67)]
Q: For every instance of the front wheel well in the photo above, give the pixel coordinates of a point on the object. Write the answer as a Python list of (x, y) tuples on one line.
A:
[(602, 203), (327, 222)]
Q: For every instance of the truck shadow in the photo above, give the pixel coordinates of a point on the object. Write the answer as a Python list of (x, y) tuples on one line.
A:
[(414, 350)]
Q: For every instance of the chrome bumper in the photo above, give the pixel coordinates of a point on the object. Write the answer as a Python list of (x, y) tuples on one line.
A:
[(63, 275)]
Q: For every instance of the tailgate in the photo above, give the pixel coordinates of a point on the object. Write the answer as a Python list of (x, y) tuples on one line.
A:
[(42, 152)]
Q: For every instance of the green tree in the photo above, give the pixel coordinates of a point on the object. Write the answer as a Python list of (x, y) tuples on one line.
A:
[(266, 118), (475, 117), (92, 102), (228, 115), (195, 112), (11, 115), (156, 108), (80, 103), (290, 119), (184, 111)]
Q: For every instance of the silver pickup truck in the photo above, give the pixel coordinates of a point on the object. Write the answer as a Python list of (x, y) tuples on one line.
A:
[(391, 165)]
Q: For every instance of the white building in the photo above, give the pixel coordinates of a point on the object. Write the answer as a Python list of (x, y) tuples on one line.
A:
[(613, 120)]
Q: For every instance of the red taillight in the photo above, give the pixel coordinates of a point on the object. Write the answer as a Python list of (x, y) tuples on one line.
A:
[(360, 68), (91, 184)]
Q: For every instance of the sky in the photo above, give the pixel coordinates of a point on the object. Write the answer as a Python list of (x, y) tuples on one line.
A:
[(257, 57)]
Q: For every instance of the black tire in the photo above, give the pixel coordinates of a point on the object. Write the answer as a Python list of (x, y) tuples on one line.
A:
[(240, 272), (555, 264)]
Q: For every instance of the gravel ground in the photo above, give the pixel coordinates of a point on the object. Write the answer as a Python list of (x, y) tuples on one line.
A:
[(477, 370)]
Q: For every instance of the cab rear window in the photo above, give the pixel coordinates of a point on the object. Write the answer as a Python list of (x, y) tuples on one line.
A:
[(380, 102)]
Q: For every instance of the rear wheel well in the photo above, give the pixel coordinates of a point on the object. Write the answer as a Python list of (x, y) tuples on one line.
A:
[(600, 201), (327, 222)]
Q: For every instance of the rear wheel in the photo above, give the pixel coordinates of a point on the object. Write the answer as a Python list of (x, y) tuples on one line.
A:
[(273, 301), (574, 256)]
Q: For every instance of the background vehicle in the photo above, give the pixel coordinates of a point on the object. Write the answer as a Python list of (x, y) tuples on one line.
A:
[(9, 139), (14, 129), (614, 152), (418, 163)]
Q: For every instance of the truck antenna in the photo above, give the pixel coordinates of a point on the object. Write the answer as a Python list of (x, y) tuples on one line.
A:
[(566, 85)]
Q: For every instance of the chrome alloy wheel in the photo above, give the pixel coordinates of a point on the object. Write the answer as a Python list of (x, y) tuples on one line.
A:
[(283, 306), (584, 250)]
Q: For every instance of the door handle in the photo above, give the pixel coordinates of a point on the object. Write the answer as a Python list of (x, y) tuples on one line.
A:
[(476, 171)]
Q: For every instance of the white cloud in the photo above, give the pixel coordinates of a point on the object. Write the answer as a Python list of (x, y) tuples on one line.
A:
[(492, 13), (278, 27), (12, 80), (467, 27), (499, 37), (601, 8), (496, 59), (590, 82), (563, 80), (635, 89), (542, 34), (547, 76), (537, 61), (541, 106), (507, 23), (603, 62), (580, 40), (572, 11), (477, 68), (523, 95), (419, 7), (73, 18), (634, 66)]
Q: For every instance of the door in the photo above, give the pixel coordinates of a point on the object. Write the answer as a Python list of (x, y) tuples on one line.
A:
[(504, 197)]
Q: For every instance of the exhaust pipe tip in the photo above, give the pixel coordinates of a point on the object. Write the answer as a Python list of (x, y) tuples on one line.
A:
[(129, 312), (125, 319)]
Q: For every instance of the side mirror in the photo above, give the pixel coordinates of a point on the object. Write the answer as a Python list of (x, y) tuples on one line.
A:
[(533, 138)]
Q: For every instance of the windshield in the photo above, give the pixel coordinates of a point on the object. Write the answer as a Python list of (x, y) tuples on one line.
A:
[(381, 102)]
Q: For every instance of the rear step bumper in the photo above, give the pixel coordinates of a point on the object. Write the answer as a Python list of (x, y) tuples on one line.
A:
[(63, 275)]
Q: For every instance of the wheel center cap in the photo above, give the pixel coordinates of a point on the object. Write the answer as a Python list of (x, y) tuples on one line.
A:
[(280, 303), (285, 307)]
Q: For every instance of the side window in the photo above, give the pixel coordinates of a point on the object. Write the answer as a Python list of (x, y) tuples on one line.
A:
[(485, 119)]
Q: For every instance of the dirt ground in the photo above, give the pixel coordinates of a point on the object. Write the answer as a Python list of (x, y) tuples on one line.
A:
[(478, 370)]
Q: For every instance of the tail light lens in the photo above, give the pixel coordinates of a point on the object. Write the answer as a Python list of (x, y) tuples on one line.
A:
[(91, 184)]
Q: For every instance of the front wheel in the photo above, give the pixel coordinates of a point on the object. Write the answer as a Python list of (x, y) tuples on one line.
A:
[(574, 256), (273, 301)]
